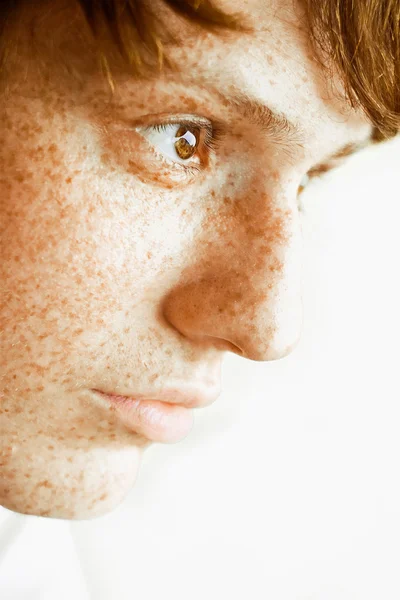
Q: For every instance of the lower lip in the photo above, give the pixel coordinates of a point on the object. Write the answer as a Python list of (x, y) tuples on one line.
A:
[(158, 421)]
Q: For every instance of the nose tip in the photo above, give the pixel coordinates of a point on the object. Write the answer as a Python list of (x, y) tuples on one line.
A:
[(270, 355), (289, 348), (276, 349)]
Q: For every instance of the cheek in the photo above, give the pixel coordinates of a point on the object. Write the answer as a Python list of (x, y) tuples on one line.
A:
[(59, 268)]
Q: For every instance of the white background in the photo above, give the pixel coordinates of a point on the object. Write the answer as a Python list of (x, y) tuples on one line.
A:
[(288, 486)]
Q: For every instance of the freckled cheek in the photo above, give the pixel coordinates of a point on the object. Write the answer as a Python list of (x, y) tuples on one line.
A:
[(58, 262)]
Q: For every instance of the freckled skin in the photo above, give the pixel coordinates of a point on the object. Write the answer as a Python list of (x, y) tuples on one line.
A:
[(118, 273)]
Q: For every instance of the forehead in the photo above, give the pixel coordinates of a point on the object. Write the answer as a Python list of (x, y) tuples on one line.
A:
[(275, 64)]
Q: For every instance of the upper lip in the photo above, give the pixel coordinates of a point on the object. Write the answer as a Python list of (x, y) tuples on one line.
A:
[(188, 396)]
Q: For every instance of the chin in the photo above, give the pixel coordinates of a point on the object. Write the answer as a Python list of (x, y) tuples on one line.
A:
[(79, 512), (89, 486)]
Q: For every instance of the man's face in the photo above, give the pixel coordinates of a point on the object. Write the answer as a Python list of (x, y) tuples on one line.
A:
[(123, 272)]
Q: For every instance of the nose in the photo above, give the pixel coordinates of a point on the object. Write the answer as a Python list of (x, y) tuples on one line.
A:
[(241, 284)]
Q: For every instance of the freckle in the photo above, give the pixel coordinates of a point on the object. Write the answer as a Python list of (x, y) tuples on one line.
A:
[(68, 180), (103, 496), (45, 484), (105, 157), (70, 459), (50, 447)]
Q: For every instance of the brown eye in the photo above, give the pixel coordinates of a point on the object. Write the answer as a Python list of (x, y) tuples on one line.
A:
[(188, 145), (188, 142), (180, 142)]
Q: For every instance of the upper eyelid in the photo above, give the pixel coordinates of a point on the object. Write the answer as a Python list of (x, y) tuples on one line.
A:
[(322, 168), (168, 119), (338, 158)]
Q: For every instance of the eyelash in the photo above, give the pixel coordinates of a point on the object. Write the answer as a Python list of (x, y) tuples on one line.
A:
[(214, 136)]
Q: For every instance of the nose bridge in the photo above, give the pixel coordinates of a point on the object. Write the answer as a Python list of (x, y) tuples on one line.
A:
[(245, 285)]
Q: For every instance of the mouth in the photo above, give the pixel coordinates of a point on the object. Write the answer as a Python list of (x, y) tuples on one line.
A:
[(156, 420)]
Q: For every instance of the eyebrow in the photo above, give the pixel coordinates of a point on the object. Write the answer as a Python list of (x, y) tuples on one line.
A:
[(256, 112)]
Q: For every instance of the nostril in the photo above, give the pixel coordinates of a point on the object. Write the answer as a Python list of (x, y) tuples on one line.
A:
[(222, 344), (235, 349)]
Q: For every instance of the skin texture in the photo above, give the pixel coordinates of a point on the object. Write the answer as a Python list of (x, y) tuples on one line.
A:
[(118, 272)]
